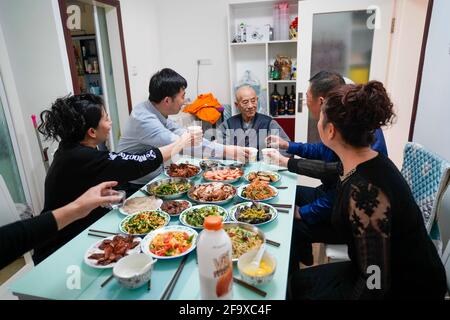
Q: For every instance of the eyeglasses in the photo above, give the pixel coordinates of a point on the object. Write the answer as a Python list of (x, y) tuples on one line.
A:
[(246, 102)]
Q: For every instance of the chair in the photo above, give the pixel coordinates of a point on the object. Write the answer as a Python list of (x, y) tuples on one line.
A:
[(446, 263), (428, 176)]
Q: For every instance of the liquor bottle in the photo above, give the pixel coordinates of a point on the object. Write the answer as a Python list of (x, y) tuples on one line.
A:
[(291, 106), (284, 102), (274, 102)]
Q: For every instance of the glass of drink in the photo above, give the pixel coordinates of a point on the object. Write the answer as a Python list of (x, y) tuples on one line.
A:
[(116, 205)]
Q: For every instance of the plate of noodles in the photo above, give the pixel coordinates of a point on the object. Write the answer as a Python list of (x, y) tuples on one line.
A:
[(244, 237)]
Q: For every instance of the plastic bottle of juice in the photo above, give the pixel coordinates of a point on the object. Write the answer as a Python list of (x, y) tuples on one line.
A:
[(214, 261)]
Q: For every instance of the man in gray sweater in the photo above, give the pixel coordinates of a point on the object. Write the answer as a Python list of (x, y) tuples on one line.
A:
[(149, 126)]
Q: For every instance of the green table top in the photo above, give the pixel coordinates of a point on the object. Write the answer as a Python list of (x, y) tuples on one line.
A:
[(64, 275)]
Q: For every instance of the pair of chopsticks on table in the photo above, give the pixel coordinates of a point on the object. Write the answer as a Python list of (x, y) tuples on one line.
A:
[(101, 234), (169, 289)]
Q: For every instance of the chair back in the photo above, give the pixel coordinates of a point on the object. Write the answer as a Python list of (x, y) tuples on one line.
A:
[(446, 263), (428, 176)]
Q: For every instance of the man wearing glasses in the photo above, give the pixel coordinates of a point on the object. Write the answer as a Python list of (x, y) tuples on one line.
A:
[(249, 128)]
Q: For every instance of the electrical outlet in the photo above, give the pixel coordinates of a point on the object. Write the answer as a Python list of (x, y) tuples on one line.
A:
[(204, 62)]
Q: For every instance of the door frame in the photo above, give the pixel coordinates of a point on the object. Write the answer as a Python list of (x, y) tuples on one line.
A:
[(420, 70), (71, 54), (381, 40)]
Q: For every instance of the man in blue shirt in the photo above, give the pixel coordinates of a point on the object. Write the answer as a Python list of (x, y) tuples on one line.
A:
[(312, 220)]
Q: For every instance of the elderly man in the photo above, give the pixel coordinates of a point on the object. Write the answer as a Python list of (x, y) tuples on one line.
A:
[(249, 128)]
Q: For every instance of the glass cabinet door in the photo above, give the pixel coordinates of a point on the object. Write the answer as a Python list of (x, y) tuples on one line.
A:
[(348, 36), (8, 162)]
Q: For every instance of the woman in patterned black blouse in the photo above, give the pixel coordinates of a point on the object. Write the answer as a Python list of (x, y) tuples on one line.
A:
[(391, 254)]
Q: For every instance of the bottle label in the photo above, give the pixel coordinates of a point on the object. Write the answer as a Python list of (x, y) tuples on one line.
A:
[(218, 283)]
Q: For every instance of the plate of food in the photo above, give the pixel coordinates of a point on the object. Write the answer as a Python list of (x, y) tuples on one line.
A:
[(138, 204), (224, 174), (195, 216), (175, 207), (209, 164), (170, 188), (257, 191), (255, 213), (182, 170), (212, 192), (169, 242), (144, 222), (244, 237), (265, 176), (106, 252)]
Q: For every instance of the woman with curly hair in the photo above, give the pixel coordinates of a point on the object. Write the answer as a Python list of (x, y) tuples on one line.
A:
[(81, 123), (391, 254)]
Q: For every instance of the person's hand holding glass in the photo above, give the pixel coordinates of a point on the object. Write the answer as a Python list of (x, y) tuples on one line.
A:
[(273, 157), (276, 142)]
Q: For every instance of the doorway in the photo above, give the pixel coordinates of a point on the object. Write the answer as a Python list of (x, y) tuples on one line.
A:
[(95, 48)]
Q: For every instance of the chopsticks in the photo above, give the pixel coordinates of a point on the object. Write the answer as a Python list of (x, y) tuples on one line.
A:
[(279, 205), (273, 243), (168, 292), (106, 281), (106, 232), (282, 170), (250, 287), (282, 187)]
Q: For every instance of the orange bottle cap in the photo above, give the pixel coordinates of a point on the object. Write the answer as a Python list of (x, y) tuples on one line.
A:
[(213, 223)]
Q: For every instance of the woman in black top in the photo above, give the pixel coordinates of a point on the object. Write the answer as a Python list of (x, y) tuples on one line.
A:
[(21, 236), (81, 123), (391, 254)]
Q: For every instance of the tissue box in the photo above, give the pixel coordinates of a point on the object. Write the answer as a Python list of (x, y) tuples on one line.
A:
[(258, 33)]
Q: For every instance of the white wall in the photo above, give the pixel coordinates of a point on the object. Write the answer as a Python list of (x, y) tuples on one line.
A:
[(141, 28), (192, 30), (34, 75), (433, 112), (402, 71)]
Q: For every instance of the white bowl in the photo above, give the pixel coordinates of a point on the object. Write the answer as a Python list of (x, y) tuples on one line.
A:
[(244, 262), (129, 273)]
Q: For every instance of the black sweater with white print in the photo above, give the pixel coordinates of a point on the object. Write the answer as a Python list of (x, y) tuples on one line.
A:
[(75, 169)]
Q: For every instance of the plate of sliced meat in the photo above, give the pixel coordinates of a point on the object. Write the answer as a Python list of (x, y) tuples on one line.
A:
[(105, 253), (182, 170), (224, 174)]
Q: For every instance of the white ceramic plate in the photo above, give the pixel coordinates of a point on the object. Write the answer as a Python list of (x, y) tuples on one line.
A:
[(241, 188), (128, 218), (147, 241), (273, 212), (222, 211), (95, 249), (157, 204)]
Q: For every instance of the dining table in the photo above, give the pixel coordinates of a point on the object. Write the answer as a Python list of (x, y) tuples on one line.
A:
[(65, 276)]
